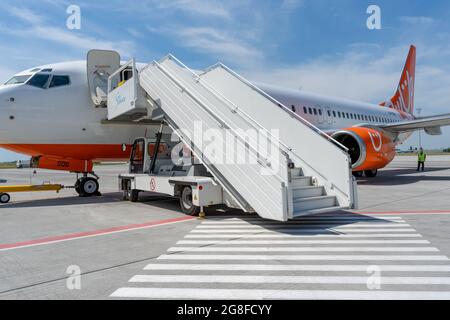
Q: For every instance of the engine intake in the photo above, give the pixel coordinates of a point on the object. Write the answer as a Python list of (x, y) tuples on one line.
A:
[(369, 148), (355, 144)]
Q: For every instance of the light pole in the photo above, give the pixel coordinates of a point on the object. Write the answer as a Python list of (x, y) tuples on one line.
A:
[(419, 111)]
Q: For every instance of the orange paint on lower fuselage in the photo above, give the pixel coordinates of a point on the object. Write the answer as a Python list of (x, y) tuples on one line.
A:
[(94, 152)]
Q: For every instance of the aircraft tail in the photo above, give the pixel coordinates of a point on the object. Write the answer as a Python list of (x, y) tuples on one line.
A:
[(403, 99)]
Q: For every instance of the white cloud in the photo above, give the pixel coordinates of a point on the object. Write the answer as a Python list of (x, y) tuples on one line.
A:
[(38, 28), (196, 7), (291, 4), (223, 45), (135, 33), (6, 73), (23, 14), (417, 20), (354, 75), (365, 76)]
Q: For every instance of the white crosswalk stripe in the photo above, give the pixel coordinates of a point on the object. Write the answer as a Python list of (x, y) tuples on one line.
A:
[(257, 294), (315, 257), (302, 257), (299, 231), (302, 227), (303, 249), (290, 267), (286, 279), (297, 235), (271, 242)]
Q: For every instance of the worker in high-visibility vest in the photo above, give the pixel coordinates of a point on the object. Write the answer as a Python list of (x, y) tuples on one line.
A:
[(422, 157)]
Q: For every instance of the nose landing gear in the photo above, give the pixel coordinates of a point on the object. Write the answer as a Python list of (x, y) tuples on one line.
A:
[(87, 186)]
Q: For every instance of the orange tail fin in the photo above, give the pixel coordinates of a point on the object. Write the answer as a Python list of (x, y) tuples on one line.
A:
[(403, 99)]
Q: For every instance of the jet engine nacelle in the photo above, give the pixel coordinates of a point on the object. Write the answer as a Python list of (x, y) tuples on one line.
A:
[(369, 149)]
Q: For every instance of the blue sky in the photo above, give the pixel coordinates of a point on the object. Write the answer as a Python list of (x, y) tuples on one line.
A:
[(322, 46)]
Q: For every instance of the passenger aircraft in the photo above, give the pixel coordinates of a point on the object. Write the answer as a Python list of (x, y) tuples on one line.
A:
[(48, 114)]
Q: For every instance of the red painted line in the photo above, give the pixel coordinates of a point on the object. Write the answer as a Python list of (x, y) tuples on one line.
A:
[(411, 212), (79, 235)]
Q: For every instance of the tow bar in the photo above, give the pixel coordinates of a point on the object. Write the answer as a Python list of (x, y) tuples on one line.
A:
[(5, 190)]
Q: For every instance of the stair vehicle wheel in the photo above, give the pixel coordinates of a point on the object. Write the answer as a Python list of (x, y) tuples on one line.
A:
[(187, 206), (133, 195), (358, 174), (371, 173), (4, 198), (89, 187)]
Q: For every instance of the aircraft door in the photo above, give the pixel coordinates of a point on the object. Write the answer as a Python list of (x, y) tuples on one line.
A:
[(100, 65)]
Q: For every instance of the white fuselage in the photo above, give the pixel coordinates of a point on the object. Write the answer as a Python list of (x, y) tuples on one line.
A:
[(66, 115)]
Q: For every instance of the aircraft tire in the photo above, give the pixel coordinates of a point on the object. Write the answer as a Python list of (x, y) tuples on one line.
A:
[(371, 173), (88, 187), (358, 174)]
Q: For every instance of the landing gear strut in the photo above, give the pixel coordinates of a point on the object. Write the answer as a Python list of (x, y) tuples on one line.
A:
[(87, 186), (358, 174)]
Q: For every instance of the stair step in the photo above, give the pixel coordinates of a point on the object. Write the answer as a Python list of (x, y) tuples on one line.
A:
[(302, 213), (307, 192), (301, 181), (296, 172), (314, 203)]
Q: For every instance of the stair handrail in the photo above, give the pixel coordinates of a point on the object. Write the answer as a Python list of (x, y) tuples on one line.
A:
[(253, 122), (340, 147), (235, 108), (281, 105), (220, 121), (132, 63)]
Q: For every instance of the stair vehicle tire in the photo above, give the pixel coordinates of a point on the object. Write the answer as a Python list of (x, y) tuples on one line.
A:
[(4, 198), (371, 173), (186, 204), (133, 195)]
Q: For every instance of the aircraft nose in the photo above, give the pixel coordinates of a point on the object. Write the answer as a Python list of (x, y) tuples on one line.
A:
[(7, 96), (7, 101)]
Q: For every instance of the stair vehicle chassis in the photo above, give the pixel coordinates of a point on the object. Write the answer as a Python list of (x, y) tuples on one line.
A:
[(152, 170)]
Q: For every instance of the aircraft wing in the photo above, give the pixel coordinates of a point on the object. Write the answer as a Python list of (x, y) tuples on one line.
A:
[(432, 125)]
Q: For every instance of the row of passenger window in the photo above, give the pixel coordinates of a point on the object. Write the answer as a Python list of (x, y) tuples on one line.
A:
[(347, 115)]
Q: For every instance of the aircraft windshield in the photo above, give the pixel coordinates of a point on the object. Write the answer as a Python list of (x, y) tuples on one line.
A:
[(18, 79)]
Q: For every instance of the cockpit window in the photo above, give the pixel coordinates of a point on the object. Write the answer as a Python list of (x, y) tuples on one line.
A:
[(39, 80), (18, 79), (59, 81)]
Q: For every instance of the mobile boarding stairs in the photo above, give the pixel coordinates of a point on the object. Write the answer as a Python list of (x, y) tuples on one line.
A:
[(305, 172)]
